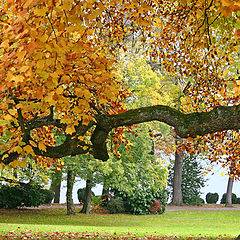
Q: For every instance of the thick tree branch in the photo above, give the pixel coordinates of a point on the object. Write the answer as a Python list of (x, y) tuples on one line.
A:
[(186, 125)]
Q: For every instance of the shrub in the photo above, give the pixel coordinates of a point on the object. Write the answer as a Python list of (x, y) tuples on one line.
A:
[(10, 197), (21, 196), (140, 201), (32, 196), (234, 198), (196, 201), (48, 195), (116, 205), (238, 200), (212, 197)]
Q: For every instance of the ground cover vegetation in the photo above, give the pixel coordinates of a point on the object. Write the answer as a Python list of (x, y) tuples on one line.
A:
[(209, 224)]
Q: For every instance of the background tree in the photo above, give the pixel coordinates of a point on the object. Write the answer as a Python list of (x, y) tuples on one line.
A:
[(192, 180), (56, 180), (229, 192)]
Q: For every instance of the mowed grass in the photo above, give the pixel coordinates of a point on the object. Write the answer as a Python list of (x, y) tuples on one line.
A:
[(181, 223)]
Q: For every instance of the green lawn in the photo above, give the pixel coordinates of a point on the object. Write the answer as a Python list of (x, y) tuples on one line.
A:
[(181, 223)]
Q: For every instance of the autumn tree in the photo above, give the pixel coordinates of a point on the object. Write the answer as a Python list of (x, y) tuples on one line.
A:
[(56, 71)]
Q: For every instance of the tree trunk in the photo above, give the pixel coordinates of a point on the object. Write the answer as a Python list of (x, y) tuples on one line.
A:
[(56, 186), (105, 190), (70, 182), (88, 197), (177, 179), (229, 192)]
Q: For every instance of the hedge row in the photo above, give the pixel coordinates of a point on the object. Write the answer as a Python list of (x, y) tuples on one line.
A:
[(24, 196)]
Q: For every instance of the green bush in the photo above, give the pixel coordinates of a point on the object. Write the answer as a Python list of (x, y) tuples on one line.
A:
[(139, 202), (48, 195), (116, 205), (10, 197), (212, 197), (238, 200), (21, 196), (32, 196), (196, 201), (234, 198)]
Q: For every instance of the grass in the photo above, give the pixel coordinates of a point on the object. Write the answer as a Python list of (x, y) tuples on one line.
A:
[(182, 223)]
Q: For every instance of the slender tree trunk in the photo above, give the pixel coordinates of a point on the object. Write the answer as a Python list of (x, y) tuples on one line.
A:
[(56, 186), (177, 178), (229, 192), (70, 182), (105, 192), (88, 197)]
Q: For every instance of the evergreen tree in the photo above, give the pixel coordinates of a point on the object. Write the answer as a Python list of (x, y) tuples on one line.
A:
[(192, 180)]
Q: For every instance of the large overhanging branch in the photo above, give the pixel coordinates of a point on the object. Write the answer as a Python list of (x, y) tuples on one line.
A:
[(186, 125)]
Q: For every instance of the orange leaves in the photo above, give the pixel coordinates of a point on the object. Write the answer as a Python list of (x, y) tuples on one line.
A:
[(60, 55), (70, 129), (42, 146), (28, 149), (28, 3)]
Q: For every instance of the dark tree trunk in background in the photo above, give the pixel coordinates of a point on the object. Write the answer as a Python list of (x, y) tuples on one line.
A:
[(105, 190), (56, 186), (177, 177), (88, 196), (229, 192), (70, 182)]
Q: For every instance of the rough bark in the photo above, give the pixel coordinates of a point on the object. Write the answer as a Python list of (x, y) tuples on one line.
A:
[(229, 192), (70, 182), (88, 197), (186, 125), (56, 186), (177, 179)]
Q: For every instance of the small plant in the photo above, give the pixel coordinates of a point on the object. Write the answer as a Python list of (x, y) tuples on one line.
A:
[(212, 197), (157, 208), (234, 198)]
